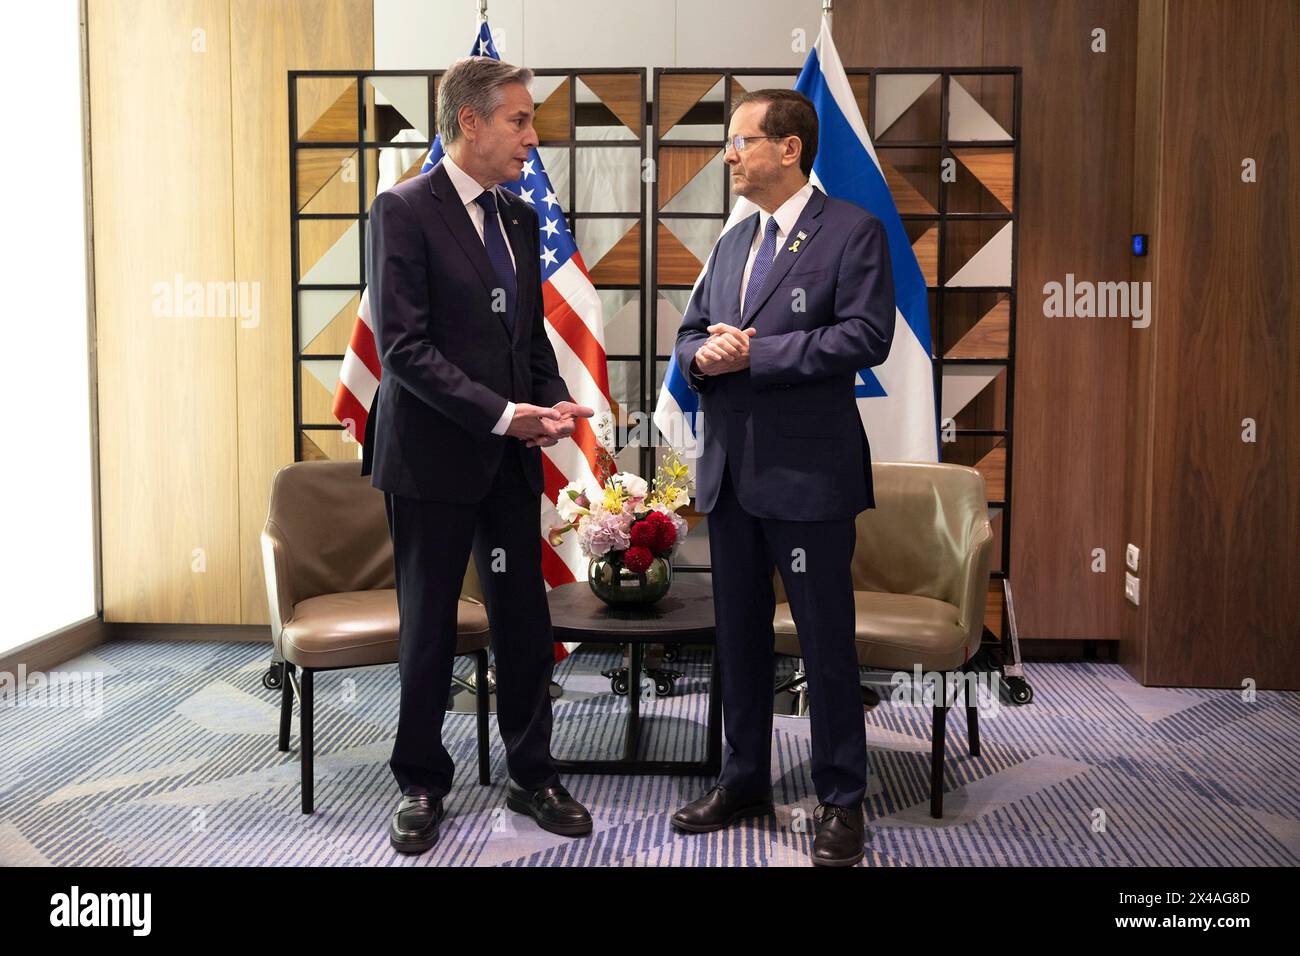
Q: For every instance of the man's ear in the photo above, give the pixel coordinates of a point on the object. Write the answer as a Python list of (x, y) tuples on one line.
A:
[(797, 144), (467, 119)]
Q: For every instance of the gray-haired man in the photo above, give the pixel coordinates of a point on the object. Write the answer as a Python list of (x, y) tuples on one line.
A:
[(470, 391)]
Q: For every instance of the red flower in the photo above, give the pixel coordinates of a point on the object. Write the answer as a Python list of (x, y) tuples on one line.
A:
[(644, 533), (665, 532), (637, 559)]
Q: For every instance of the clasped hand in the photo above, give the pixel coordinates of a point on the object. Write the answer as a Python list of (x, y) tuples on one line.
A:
[(727, 350), (536, 426)]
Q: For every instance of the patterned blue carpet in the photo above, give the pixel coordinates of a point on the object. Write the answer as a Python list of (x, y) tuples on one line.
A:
[(177, 764)]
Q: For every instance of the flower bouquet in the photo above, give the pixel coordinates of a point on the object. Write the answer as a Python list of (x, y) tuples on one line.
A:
[(628, 530)]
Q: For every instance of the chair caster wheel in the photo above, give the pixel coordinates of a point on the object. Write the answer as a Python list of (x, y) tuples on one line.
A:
[(1020, 691), (273, 679), (618, 680)]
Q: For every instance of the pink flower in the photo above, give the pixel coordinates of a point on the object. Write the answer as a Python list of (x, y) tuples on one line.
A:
[(607, 532)]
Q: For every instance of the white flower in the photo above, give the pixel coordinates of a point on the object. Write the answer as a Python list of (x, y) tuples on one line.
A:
[(634, 485), (568, 508)]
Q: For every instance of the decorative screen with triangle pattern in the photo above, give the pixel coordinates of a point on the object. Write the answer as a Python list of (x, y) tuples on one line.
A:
[(947, 141)]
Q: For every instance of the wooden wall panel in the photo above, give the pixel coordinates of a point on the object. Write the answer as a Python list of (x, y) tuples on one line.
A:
[(1222, 570), (160, 114), (1147, 146), (910, 32), (1075, 212), (196, 413), (1075, 201), (269, 38)]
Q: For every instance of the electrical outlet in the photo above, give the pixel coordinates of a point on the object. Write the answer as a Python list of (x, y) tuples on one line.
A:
[(1131, 590), (1131, 555)]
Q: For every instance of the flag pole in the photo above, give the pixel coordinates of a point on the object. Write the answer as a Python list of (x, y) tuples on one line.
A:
[(482, 10), (826, 11)]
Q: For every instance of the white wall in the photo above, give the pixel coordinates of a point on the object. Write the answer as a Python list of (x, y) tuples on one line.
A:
[(47, 556), (420, 35)]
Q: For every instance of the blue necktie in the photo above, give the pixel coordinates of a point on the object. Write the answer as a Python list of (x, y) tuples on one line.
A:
[(498, 254), (762, 264)]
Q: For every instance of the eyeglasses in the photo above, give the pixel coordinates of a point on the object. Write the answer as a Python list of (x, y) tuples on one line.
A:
[(738, 142)]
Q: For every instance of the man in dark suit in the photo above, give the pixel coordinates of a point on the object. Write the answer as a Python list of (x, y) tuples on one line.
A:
[(794, 301), (470, 392)]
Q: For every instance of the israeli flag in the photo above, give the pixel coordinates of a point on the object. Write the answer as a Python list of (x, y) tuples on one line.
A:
[(896, 398)]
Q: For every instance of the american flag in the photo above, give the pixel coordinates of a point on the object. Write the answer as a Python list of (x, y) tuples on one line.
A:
[(575, 327)]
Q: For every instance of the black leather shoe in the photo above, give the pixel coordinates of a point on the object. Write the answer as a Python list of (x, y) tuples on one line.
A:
[(552, 807), (841, 833), (718, 809), (414, 827)]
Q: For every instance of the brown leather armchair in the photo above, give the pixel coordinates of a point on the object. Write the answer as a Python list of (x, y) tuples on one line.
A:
[(921, 580), (330, 585)]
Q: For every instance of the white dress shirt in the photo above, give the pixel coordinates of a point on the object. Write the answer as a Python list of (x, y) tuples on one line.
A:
[(469, 189), (786, 215)]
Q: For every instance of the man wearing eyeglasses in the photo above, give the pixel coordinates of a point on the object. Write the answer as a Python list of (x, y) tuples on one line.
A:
[(794, 301)]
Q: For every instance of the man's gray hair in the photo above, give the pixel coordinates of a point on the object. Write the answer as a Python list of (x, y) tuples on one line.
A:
[(476, 82)]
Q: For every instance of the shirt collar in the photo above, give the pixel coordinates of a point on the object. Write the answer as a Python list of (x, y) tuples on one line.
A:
[(788, 213), (467, 187)]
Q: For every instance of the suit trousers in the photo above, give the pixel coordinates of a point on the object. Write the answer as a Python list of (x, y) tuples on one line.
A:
[(814, 558), (432, 542)]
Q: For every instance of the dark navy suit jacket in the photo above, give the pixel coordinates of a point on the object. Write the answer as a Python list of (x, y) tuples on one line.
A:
[(449, 361), (787, 427)]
